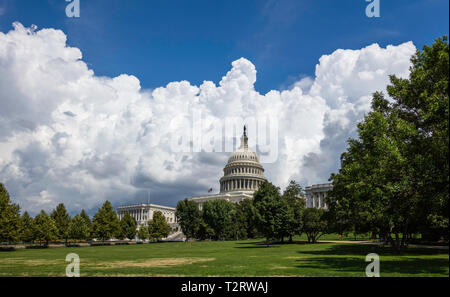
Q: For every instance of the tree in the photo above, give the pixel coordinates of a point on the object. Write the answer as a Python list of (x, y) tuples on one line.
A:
[(105, 222), (128, 226), (62, 220), (204, 231), (189, 217), (314, 224), (271, 211), (158, 227), (28, 229), (293, 195), (422, 100), (238, 227), (79, 228), (143, 233), (88, 222), (9, 217), (219, 216), (46, 229), (394, 178), (378, 175), (248, 211)]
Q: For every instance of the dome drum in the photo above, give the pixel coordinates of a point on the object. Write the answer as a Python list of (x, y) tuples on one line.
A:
[(243, 171)]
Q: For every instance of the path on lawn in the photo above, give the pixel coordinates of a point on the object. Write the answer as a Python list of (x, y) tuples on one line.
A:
[(437, 247)]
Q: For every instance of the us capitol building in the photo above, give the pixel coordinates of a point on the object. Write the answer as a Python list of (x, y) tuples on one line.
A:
[(243, 175)]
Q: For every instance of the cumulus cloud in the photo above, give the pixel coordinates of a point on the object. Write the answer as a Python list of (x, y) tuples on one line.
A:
[(67, 135)]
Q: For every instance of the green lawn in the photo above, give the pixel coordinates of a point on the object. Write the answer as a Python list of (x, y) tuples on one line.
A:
[(230, 258)]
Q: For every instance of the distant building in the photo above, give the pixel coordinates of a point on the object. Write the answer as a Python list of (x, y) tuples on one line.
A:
[(315, 195), (142, 213), (243, 175)]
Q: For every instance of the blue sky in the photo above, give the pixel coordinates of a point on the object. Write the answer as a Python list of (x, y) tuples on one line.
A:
[(110, 139), (163, 41)]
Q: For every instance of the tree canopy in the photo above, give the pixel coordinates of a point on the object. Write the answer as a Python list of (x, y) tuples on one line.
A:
[(394, 177), (127, 226), (105, 222), (9, 217), (158, 227)]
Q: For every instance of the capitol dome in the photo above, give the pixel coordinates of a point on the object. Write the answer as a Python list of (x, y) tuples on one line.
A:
[(243, 171)]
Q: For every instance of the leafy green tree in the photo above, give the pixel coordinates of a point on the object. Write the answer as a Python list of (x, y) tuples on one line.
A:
[(293, 195), (105, 222), (128, 226), (28, 229), (314, 224), (219, 216), (79, 228), (238, 227), (189, 217), (62, 220), (158, 227), (143, 233), (204, 231), (46, 229), (272, 211), (394, 178), (378, 175), (422, 100), (248, 211), (9, 217)]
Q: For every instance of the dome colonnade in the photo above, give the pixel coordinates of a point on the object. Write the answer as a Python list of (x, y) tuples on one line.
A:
[(243, 171)]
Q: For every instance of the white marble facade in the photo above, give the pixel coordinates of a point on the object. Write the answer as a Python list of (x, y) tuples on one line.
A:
[(142, 213), (315, 195)]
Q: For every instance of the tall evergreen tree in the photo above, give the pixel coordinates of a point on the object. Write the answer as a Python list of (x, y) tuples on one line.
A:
[(46, 229), (143, 233), (128, 226), (79, 228), (105, 222), (62, 220), (88, 222), (158, 227), (28, 229), (9, 217)]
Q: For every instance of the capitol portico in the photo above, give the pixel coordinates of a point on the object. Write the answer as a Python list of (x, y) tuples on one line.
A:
[(243, 175)]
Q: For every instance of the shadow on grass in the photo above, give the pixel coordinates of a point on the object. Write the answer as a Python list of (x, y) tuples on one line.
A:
[(351, 258), (260, 244)]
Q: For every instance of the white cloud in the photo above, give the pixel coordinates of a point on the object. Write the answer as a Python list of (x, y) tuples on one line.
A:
[(67, 135)]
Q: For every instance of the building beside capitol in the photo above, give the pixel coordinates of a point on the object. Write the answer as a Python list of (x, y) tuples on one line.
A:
[(142, 213), (315, 195)]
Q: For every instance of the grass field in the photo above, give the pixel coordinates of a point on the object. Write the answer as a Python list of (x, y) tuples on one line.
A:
[(229, 258)]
